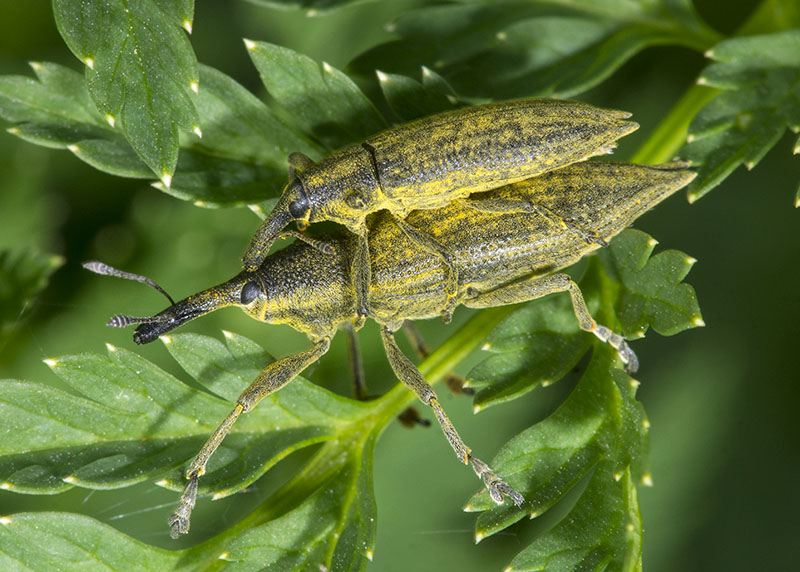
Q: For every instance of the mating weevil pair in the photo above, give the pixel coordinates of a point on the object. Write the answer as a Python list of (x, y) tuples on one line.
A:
[(484, 244)]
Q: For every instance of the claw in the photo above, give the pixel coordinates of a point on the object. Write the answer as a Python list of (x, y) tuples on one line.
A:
[(179, 520), (497, 487)]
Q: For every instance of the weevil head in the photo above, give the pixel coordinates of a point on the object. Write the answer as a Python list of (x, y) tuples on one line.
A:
[(245, 290)]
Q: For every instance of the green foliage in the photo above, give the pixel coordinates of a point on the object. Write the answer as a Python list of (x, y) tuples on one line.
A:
[(760, 81), (22, 276), (516, 49), (140, 70), (123, 420)]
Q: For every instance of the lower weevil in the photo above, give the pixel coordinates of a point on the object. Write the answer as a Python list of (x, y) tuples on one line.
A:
[(501, 259)]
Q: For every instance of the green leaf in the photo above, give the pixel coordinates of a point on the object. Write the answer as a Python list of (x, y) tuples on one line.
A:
[(760, 81), (140, 69), (514, 49), (22, 276), (651, 292), (598, 436), (600, 430), (128, 421), (410, 99), (320, 99), (64, 541), (241, 158)]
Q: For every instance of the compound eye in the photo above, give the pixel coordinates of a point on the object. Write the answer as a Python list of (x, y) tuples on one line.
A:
[(250, 292), (298, 208)]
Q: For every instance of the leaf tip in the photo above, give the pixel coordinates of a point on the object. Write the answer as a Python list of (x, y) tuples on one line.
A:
[(698, 322), (327, 67), (194, 86), (112, 348), (486, 347), (50, 362), (709, 54), (635, 383), (217, 496), (5, 520), (702, 81), (391, 27), (690, 138), (370, 555), (691, 260), (13, 130), (250, 44), (257, 210), (647, 480), (692, 197), (73, 148), (166, 179), (645, 424), (165, 339), (475, 410), (197, 131), (382, 77), (187, 25), (501, 36), (617, 476), (749, 165), (201, 204), (157, 185), (111, 120), (228, 335), (35, 66), (508, 569), (479, 536), (162, 483), (6, 486), (70, 479), (89, 62), (533, 514), (224, 556)]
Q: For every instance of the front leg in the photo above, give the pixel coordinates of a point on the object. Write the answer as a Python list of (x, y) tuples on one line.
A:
[(361, 272), (408, 373), (271, 379)]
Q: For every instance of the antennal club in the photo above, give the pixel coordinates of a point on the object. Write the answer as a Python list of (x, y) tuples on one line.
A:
[(121, 320), (105, 270)]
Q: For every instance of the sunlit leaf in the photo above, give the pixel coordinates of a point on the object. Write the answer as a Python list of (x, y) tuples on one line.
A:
[(141, 70), (319, 98)]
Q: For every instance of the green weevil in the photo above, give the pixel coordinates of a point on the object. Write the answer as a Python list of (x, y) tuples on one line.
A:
[(428, 163), (501, 259)]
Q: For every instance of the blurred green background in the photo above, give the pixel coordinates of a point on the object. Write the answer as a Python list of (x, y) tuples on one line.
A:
[(722, 399)]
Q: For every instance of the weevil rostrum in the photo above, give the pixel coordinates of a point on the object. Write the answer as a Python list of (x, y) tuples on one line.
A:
[(501, 259), (428, 163)]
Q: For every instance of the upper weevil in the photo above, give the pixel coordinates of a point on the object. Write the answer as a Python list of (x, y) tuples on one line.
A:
[(430, 162), (501, 259)]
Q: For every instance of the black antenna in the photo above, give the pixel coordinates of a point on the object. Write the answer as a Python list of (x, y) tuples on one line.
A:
[(121, 320), (105, 270)]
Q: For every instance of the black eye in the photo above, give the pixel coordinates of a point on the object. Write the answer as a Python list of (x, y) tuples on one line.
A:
[(298, 208), (250, 292)]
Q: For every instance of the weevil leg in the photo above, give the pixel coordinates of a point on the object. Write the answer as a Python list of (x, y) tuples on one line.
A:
[(361, 271), (536, 287), (271, 379), (453, 381), (356, 363), (428, 243), (320, 245), (298, 162), (412, 378)]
